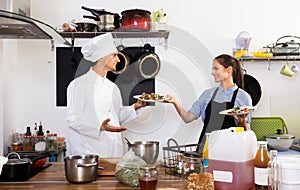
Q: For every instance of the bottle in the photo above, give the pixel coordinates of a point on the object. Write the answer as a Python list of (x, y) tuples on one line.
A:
[(274, 168), (205, 152), (148, 177), (40, 131), (28, 132), (261, 166)]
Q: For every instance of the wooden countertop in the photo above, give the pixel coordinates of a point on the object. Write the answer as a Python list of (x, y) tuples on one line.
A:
[(54, 177)]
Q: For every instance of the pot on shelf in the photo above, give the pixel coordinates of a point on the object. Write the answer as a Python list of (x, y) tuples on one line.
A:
[(136, 20), (106, 21)]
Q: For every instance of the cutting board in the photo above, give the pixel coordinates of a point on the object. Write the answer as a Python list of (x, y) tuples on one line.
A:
[(109, 166)]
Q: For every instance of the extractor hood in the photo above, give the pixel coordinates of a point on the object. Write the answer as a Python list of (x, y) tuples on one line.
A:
[(17, 26)]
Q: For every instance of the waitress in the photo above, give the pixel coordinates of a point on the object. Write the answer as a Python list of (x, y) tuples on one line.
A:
[(227, 71), (95, 113)]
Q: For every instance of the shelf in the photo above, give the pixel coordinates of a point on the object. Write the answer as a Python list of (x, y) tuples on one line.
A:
[(129, 34), (279, 58)]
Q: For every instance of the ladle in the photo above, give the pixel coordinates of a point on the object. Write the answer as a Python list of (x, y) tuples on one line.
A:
[(128, 142)]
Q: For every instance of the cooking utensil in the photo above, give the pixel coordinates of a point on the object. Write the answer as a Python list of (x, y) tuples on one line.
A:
[(149, 63), (124, 60), (106, 21), (136, 20), (280, 141), (81, 168), (16, 168), (85, 27), (147, 150), (252, 86)]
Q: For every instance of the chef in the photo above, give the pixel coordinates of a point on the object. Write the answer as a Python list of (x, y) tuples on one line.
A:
[(95, 113)]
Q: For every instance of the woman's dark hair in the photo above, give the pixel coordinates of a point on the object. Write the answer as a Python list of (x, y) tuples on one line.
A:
[(237, 72)]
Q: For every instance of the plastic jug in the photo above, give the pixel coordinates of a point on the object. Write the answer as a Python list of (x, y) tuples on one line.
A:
[(231, 158)]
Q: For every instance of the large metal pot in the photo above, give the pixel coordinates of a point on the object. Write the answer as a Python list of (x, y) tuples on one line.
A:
[(147, 150), (81, 168), (106, 21), (16, 168), (136, 20), (280, 141)]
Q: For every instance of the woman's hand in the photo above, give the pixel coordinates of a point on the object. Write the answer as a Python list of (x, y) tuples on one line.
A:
[(241, 120), (140, 104), (108, 127), (169, 99)]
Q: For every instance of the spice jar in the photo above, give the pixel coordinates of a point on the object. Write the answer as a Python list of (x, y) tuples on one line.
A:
[(51, 142), (148, 177), (28, 143), (40, 143), (16, 146)]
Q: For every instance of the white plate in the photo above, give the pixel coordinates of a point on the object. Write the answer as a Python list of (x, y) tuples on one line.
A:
[(240, 111), (138, 97)]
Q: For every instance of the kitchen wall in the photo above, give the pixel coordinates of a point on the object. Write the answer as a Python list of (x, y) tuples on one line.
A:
[(200, 30)]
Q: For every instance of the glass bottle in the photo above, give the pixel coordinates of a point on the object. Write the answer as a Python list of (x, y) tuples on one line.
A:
[(40, 131), (40, 143), (28, 143), (148, 177), (205, 152), (28, 132), (274, 168), (51, 140), (261, 166)]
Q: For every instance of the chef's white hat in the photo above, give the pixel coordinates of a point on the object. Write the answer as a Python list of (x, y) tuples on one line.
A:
[(99, 47)]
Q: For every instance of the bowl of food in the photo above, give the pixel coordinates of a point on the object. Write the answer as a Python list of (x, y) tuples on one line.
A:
[(280, 141)]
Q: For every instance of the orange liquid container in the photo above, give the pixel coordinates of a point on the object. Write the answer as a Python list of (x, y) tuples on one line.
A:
[(261, 166), (231, 159)]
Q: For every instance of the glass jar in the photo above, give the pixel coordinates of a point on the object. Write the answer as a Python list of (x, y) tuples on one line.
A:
[(52, 142), (261, 166), (192, 163), (40, 143), (28, 143), (148, 177), (16, 146)]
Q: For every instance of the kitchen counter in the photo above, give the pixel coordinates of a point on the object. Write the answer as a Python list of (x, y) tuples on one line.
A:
[(54, 177)]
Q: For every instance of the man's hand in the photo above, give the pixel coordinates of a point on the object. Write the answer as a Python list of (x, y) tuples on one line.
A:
[(140, 103), (108, 127)]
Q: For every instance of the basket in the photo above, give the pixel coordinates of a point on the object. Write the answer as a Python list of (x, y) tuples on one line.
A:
[(172, 156)]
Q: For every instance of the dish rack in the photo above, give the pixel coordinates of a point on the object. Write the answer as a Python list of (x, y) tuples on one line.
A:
[(172, 156)]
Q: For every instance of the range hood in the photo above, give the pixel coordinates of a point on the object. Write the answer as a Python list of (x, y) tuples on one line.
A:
[(17, 26)]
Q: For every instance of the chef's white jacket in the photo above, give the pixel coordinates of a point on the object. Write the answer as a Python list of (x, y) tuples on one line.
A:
[(90, 100)]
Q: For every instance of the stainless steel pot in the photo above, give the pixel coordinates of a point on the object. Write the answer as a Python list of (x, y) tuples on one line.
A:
[(147, 150), (16, 168), (81, 168), (106, 21)]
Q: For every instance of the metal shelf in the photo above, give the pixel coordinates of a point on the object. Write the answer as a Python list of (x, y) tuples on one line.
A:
[(279, 58), (128, 34)]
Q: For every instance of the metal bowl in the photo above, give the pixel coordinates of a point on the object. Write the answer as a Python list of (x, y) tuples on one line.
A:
[(147, 150), (279, 141)]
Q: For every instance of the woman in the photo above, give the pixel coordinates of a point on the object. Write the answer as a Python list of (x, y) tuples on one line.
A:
[(95, 110), (227, 71)]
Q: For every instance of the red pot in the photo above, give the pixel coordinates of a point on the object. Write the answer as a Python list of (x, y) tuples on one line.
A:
[(136, 20)]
